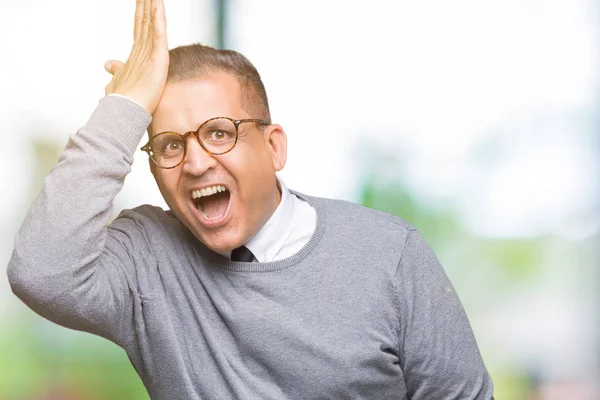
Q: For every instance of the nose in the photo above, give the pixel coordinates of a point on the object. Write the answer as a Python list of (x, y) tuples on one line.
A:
[(197, 160)]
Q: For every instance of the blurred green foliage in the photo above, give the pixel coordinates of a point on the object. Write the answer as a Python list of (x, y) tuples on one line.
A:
[(43, 361)]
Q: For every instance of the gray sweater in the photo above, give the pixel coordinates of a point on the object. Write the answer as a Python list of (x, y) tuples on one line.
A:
[(363, 311)]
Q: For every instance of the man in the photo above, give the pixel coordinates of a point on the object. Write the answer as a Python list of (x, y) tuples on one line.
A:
[(243, 289)]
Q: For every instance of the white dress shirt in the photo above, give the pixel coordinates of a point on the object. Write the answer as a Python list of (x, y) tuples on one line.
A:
[(287, 231)]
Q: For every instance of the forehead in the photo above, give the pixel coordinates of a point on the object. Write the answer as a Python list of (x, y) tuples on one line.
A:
[(184, 105)]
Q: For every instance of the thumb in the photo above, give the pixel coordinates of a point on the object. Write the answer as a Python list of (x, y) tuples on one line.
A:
[(113, 66)]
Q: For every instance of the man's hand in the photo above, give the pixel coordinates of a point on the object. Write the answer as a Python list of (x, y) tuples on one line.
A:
[(143, 77)]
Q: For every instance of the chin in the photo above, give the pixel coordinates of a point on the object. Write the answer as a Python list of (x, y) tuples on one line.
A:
[(220, 241)]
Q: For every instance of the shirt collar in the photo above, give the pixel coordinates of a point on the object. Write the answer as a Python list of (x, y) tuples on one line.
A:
[(269, 240)]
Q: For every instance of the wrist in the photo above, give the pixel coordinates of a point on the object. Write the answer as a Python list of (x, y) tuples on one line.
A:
[(126, 97)]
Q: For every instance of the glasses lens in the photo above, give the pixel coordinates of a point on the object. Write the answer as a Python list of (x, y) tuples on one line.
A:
[(167, 149), (218, 135)]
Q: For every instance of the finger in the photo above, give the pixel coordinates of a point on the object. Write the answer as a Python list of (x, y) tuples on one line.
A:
[(139, 16), (112, 66), (146, 20), (151, 24), (160, 25)]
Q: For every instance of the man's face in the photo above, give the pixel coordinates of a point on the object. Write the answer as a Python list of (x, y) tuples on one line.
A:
[(224, 220)]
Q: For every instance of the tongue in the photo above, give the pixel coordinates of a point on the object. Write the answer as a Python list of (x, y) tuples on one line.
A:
[(215, 206)]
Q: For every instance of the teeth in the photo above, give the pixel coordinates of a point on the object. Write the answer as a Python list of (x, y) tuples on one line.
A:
[(206, 215), (208, 191)]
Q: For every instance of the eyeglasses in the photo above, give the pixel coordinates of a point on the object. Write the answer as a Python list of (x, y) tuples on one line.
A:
[(217, 136)]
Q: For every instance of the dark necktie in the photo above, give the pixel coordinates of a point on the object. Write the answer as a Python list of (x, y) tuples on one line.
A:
[(242, 254)]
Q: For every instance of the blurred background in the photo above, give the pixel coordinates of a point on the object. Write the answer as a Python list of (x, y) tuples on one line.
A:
[(476, 121)]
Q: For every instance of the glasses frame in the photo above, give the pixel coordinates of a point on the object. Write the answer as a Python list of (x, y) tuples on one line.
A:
[(236, 122)]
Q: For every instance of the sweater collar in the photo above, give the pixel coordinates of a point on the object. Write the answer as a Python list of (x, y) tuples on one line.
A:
[(221, 262)]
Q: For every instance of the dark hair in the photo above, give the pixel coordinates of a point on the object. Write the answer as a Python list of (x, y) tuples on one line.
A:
[(195, 60)]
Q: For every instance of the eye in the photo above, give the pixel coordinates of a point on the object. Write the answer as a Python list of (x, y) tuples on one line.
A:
[(219, 136), (168, 145), (172, 147)]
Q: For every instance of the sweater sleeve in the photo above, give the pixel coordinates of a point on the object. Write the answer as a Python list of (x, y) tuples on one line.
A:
[(438, 352), (65, 265)]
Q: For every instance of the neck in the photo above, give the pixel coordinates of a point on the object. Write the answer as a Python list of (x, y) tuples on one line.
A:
[(278, 193)]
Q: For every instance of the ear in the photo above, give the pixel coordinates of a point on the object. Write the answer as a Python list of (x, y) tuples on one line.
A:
[(276, 142)]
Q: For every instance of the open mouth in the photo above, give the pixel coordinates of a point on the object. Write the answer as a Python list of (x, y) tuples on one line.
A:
[(212, 201)]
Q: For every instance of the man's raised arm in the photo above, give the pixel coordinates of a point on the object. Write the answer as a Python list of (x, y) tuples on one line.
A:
[(66, 265)]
